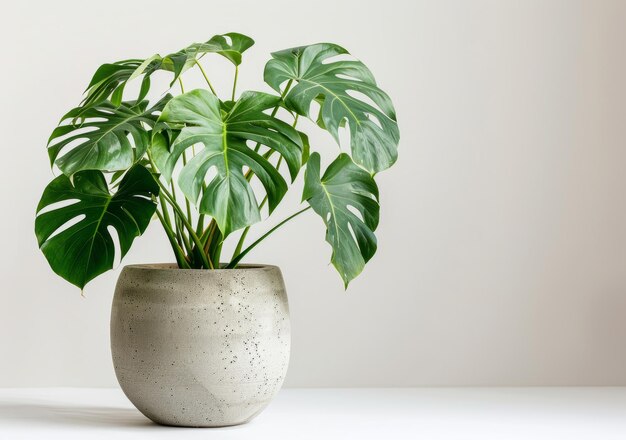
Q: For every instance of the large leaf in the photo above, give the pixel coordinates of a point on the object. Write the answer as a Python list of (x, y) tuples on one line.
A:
[(224, 130), (374, 132), (86, 249), (101, 140), (346, 197), (110, 79)]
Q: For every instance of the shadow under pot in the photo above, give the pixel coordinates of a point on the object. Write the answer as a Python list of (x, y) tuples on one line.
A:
[(201, 348)]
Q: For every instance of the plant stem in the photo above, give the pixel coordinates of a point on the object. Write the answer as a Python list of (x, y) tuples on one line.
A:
[(238, 258), (187, 204), (178, 252), (179, 236), (182, 88), (206, 78), (184, 238), (200, 225), (235, 83), (206, 261)]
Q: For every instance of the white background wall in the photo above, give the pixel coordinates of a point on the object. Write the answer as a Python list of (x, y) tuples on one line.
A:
[(502, 256)]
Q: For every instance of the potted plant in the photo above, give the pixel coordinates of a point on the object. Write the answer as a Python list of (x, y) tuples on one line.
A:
[(203, 342)]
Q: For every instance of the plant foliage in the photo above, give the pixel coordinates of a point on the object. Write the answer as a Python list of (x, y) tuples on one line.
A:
[(206, 166)]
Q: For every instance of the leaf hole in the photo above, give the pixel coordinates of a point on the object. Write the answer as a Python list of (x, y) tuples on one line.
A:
[(339, 57), (117, 254), (374, 120), (355, 211), (58, 205), (352, 232), (65, 226), (348, 77), (363, 97)]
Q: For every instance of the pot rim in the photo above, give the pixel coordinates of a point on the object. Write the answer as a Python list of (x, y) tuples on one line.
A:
[(174, 267)]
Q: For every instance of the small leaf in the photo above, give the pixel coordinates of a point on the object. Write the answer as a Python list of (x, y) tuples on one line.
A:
[(109, 77), (145, 88), (118, 94), (86, 249), (344, 189), (232, 50), (306, 147)]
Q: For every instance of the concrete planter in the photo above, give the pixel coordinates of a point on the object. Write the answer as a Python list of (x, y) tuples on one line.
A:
[(200, 347)]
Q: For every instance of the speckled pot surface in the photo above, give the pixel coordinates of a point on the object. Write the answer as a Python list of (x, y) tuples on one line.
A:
[(200, 347)]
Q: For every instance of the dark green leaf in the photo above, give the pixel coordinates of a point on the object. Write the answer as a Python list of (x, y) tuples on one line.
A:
[(306, 147), (110, 77), (101, 141), (107, 79), (86, 249), (224, 130), (374, 132), (344, 190), (219, 44)]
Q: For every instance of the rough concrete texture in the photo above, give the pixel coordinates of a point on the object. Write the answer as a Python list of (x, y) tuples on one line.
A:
[(200, 347)]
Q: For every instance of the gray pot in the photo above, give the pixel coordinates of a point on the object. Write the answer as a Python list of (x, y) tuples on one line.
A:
[(200, 347)]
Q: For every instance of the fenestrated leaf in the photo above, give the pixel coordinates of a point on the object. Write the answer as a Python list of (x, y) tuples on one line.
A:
[(342, 186), (374, 131), (223, 130), (101, 141), (112, 77), (108, 78), (220, 44), (86, 249)]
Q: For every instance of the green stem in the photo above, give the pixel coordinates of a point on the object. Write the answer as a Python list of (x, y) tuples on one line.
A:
[(209, 233), (242, 239), (235, 83), (185, 240), (182, 88), (179, 235), (166, 215), (205, 259), (238, 258), (187, 204), (178, 252), (206, 78), (200, 225)]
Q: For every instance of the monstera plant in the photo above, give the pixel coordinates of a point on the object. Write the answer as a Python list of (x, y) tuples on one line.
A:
[(205, 166)]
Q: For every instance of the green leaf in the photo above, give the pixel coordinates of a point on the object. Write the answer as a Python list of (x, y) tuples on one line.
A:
[(344, 190), (374, 133), (306, 147), (224, 130), (108, 78), (101, 141), (86, 249), (112, 77), (220, 44)]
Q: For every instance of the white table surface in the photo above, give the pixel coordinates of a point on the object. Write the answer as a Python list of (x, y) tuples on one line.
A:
[(360, 414)]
